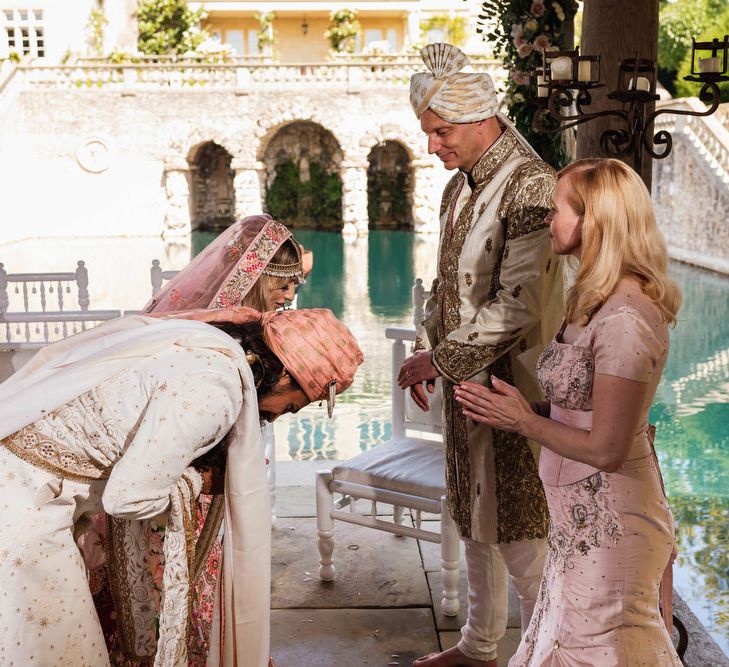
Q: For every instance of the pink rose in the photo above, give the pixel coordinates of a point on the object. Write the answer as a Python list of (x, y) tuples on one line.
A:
[(524, 50), (537, 8), (520, 78), (542, 43)]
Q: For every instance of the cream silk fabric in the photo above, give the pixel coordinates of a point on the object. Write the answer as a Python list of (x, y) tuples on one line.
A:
[(65, 370), (454, 95), (495, 304)]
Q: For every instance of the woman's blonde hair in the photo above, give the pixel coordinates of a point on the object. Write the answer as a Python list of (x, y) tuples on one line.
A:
[(256, 297), (620, 237)]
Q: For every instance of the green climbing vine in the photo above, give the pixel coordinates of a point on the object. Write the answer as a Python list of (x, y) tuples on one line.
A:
[(519, 31), (316, 202)]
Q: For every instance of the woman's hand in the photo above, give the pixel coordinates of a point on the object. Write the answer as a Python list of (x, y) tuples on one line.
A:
[(502, 407)]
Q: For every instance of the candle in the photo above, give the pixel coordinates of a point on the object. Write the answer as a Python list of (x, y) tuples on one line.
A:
[(709, 65), (640, 84), (584, 70), (542, 87), (561, 68)]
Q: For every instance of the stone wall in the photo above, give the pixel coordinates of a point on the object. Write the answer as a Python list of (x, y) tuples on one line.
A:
[(691, 188), (116, 162)]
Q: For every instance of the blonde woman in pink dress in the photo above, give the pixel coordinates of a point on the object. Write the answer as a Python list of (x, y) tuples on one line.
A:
[(611, 529)]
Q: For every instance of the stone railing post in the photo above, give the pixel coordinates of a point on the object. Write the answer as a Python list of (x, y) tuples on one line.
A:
[(4, 300), (354, 198), (426, 197), (247, 187), (177, 189)]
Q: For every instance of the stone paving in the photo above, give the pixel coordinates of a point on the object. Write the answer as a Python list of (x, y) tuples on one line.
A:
[(380, 609), (383, 607)]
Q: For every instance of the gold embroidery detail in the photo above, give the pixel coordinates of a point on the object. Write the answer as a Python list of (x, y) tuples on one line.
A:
[(54, 457), (527, 198), (521, 506), (506, 252), (468, 278), (419, 344), (493, 159), (472, 336), (489, 245), (458, 468), (516, 291), (450, 192), (461, 361)]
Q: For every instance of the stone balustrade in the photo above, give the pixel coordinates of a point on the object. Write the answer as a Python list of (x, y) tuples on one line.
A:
[(233, 74), (691, 185)]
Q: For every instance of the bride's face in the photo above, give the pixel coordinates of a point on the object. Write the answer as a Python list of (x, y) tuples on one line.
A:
[(279, 294), (282, 399)]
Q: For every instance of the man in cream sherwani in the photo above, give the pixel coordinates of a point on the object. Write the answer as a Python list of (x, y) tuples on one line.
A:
[(486, 316)]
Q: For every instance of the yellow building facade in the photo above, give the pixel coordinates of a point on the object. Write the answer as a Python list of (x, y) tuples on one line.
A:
[(296, 30)]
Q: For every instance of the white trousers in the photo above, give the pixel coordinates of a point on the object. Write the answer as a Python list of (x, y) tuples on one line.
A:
[(488, 567)]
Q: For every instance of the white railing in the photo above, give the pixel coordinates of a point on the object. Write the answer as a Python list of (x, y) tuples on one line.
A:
[(197, 74), (709, 134)]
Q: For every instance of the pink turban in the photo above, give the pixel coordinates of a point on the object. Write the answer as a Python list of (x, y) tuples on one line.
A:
[(314, 346)]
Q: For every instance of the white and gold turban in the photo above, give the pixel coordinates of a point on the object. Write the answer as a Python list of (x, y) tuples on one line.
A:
[(453, 95)]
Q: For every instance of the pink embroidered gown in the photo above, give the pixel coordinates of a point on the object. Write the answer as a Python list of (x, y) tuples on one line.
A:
[(611, 534)]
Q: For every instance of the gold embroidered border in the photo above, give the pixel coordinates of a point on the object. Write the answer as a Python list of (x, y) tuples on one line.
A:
[(521, 506), (493, 159), (253, 260), (461, 361), (188, 522), (449, 198), (458, 467), (53, 456), (119, 584)]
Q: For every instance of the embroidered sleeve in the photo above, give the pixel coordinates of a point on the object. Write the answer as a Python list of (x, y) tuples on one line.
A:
[(520, 281), (186, 415)]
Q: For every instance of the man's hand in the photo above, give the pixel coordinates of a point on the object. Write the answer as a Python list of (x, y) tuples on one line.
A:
[(417, 370)]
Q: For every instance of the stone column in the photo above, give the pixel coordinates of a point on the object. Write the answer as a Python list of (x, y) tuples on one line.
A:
[(247, 187), (426, 196), (413, 33), (354, 198), (177, 189)]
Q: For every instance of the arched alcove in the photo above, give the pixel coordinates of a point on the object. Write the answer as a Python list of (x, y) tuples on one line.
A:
[(303, 185), (212, 195), (389, 187)]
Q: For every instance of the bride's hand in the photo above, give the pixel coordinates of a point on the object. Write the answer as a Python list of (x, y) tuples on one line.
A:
[(502, 407)]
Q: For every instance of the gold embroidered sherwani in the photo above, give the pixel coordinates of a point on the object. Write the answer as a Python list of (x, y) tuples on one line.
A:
[(496, 276)]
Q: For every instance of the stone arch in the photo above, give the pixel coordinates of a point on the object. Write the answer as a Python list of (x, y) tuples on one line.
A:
[(302, 183), (389, 186), (212, 190)]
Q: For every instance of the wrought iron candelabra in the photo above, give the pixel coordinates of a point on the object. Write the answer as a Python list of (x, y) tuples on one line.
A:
[(563, 88)]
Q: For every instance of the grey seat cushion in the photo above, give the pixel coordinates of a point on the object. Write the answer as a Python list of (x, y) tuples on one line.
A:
[(407, 465)]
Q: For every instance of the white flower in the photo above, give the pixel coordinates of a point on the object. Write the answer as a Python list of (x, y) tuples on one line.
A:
[(518, 97), (558, 10), (517, 29)]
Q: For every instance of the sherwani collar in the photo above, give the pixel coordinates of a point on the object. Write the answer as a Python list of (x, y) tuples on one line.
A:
[(493, 158)]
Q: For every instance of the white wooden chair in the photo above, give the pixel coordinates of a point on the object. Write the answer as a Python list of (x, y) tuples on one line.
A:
[(38, 308), (405, 472)]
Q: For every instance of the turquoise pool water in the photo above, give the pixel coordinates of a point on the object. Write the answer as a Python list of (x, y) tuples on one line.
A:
[(368, 284)]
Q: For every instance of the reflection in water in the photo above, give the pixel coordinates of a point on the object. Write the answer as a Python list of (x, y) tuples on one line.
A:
[(691, 413)]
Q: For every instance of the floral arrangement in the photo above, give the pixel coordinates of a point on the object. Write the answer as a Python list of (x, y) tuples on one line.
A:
[(519, 31), (344, 28)]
